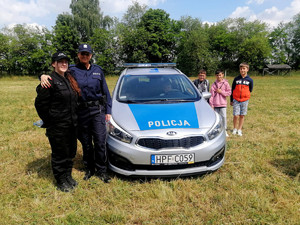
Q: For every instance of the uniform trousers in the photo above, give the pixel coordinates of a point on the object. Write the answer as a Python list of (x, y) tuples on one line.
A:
[(63, 141), (92, 135)]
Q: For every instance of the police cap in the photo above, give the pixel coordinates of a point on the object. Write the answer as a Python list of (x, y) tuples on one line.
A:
[(58, 56), (85, 48)]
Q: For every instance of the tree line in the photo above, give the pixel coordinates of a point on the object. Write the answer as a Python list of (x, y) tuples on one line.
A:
[(149, 35)]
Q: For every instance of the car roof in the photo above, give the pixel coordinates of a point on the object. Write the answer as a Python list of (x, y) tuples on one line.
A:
[(150, 69)]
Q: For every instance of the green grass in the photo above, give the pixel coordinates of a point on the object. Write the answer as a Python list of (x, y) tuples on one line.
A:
[(258, 184)]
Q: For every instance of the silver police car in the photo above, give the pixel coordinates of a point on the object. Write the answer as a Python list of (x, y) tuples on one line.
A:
[(161, 125)]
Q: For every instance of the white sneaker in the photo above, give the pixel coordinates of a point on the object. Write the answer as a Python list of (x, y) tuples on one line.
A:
[(226, 134), (239, 132), (234, 132)]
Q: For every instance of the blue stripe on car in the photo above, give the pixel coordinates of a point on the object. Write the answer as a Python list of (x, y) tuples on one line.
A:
[(165, 116)]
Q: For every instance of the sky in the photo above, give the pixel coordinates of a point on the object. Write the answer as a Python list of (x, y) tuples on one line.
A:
[(44, 12)]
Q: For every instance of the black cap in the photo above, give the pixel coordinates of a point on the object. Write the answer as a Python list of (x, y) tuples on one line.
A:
[(58, 56), (85, 48)]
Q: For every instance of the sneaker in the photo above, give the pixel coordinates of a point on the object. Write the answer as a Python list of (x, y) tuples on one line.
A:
[(226, 134), (103, 176), (239, 132), (234, 132)]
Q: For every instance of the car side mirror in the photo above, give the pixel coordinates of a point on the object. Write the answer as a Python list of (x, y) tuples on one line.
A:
[(206, 95)]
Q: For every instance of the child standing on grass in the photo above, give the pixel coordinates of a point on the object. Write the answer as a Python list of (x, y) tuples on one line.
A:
[(220, 89), (242, 86)]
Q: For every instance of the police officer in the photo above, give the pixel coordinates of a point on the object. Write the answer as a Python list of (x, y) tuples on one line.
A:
[(93, 112), (57, 107)]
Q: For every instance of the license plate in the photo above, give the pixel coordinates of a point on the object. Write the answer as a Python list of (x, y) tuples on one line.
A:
[(187, 158)]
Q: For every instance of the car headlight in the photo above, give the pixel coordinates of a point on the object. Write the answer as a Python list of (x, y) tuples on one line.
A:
[(117, 132), (217, 128)]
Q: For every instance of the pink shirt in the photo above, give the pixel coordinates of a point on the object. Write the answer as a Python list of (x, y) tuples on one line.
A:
[(219, 99)]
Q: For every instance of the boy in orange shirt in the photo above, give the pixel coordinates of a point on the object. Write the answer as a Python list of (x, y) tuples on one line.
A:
[(242, 86)]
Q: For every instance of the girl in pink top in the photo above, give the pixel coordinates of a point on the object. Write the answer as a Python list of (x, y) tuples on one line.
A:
[(220, 89)]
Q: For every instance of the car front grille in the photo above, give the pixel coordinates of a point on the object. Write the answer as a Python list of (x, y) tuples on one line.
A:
[(157, 143), (124, 164)]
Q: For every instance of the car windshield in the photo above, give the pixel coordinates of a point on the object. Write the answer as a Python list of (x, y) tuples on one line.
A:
[(154, 88)]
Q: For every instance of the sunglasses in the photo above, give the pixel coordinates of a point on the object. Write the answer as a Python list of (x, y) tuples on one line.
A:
[(85, 53)]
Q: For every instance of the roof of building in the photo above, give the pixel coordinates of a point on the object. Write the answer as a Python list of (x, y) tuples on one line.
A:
[(279, 66)]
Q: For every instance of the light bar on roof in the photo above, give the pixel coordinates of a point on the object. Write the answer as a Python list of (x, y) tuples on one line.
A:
[(145, 65)]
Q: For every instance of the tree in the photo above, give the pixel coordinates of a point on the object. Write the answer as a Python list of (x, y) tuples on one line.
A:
[(134, 45), (193, 50), (65, 37), (252, 41), (29, 50), (255, 50), (133, 15), (279, 43), (41, 57), (131, 40), (4, 50), (104, 46), (152, 39), (86, 16), (223, 44), (108, 22), (295, 41), (249, 36), (236, 40), (160, 34)]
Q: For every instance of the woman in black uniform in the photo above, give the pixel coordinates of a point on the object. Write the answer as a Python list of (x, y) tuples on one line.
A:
[(57, 106)]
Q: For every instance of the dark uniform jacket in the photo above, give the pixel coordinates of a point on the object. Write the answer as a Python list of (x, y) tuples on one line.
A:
[(57, 105), (92, 84)]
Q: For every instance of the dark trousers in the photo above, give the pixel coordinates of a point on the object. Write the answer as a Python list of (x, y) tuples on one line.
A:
[(63, 141), (92, 135)]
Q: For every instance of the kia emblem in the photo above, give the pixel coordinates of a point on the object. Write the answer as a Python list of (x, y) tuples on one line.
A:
[(171, 133)]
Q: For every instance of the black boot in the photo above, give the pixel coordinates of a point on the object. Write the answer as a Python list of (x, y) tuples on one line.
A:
[(73, 183), (103, 176), (88, 174), (63, 185)]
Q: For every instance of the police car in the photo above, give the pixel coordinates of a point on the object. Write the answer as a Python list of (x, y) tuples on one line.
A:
[(161, 125)]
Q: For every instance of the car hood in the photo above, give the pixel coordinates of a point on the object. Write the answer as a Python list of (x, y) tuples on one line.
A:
[(134, 117)]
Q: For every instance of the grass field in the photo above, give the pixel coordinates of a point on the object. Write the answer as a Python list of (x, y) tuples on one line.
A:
[(258, 184)]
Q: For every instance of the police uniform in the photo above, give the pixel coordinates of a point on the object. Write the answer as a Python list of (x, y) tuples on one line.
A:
[(57, 107), (94, 104)]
